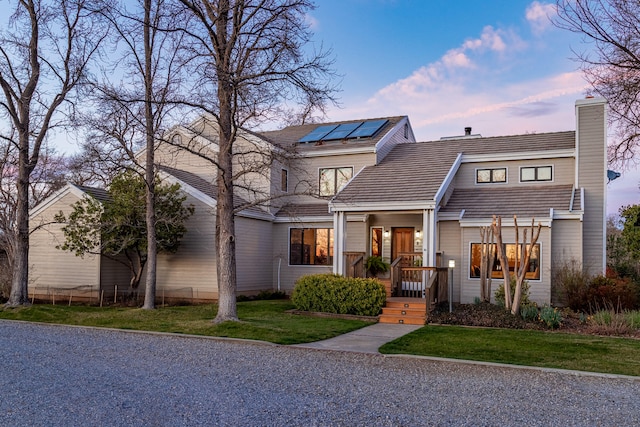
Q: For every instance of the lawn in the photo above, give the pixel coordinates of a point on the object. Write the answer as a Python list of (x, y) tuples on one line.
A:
[(523, 347), (259, 320), (269, 321)]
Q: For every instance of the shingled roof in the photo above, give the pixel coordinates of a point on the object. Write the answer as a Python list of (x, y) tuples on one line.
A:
[(413, 172), (207, 188), (290, 135), (524, 201), (100, 194)]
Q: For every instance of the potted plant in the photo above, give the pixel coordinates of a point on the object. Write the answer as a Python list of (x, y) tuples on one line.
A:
[(376, 265)]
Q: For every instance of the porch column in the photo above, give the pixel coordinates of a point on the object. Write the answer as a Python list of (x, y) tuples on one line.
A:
[(429, 237), (339, 239)]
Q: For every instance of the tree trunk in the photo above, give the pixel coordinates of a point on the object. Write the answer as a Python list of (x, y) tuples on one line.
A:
[(19, 287), (504, 262), (225, 224), (152, 243)]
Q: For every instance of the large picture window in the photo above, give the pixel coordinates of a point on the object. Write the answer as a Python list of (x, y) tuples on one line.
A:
[(333, 179), (533, 270), (311, 246)]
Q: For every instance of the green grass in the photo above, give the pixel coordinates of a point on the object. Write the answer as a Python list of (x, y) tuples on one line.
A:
[(523, 347), (259, 320)]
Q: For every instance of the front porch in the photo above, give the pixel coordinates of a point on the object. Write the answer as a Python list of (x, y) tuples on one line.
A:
[(412, 290)]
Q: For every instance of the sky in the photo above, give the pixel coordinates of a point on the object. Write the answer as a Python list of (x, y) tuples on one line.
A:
[(498, 66)]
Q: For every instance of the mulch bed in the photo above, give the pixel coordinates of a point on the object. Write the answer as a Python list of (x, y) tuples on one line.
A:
[(493, 316)]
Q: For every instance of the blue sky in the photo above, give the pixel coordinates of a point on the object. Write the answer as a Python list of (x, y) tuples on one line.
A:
[(498, 66)]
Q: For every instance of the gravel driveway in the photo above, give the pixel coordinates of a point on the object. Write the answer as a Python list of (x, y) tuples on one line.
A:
[(56, 375)]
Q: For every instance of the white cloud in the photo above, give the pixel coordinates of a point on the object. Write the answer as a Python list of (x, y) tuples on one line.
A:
[(539, 14), (312, 22)]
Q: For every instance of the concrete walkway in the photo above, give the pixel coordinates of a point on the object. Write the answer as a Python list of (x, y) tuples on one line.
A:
[(365, 340)]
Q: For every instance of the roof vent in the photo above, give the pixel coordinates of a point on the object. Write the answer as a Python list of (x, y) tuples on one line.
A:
[(467, 131)]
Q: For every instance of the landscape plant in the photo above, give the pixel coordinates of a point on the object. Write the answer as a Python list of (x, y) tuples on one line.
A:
[(524, 295), (376, 265), (330, 293), (550, 316)]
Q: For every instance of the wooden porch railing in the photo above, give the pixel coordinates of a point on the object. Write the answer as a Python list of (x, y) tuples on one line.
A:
[(409, 278), (354, 261)]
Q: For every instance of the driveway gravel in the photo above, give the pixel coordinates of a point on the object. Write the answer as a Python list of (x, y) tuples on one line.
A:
[(67, 376)]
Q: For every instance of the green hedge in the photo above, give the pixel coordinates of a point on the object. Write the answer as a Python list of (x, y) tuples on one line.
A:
[(330, 293)]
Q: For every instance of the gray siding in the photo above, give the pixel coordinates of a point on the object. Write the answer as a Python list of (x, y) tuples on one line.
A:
[(182, 159), (450, 244), (396, 138), (191, 272), (290, 273), (254, 257), (566, 243), (591, 124), (563, 172), (540, 290), (53, 268), (307, 172)]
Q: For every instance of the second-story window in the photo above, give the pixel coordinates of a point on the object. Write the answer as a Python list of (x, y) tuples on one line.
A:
[(485, 176), (333, 179), (536, 173), (284, 180)]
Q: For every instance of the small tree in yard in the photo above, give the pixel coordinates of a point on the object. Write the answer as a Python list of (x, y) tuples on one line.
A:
[(521, 260), (116, 227), (487, 258)]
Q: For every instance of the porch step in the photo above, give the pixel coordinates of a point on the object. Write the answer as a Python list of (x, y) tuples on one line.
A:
[(405, 311)]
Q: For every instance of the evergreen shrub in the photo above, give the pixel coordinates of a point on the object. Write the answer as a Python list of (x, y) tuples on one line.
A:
[(330, 293)]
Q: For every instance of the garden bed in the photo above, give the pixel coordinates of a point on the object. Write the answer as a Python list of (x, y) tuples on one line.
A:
[(491, 315)]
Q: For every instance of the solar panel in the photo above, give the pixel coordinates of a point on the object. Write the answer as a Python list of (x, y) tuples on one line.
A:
[(368, 128), (317, 133), (342, 131)]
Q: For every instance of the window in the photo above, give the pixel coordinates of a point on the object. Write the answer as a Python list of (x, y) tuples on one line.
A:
[(533, 271), (536, 173), (333, 179), (484, 176), (284, 180), (376, 241), (311, 246)]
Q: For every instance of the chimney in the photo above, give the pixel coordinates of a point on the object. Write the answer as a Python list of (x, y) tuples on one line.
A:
[(467, 131)]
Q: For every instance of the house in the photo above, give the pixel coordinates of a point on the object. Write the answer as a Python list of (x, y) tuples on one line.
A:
[(322, 197)]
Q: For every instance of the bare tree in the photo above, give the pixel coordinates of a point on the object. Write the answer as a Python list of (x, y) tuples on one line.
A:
[(131, 112), (612, 67), (44, 55), (521, 260), (248, 61), (47, 177)]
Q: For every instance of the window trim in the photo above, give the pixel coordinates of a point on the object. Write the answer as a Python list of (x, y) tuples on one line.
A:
[(469, 260), (536, 167), (506, 175), (329, 249), (335, 170)]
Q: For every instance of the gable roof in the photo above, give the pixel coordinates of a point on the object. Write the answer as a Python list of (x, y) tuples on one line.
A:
[(289, 136), (78, 190), (190, 181), (412, 174)]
